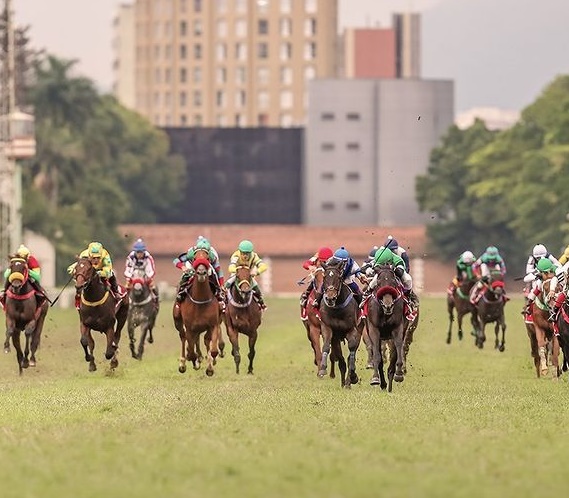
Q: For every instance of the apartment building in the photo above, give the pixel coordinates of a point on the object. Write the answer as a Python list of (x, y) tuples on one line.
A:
[(227, 63)]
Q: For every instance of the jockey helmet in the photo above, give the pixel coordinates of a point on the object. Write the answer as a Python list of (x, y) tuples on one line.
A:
[(539, 251), (392, 243), (324, 253), (383, 255), (492, 252), (544, 265), (372, 252), (95, 250), (139, 246), (246, 246), (467, 257), (342, 254), (203, 243), (23, 251)]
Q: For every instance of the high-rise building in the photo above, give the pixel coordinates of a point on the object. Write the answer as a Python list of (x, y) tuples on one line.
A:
[(124, 61), (408, 44), (228, 63)]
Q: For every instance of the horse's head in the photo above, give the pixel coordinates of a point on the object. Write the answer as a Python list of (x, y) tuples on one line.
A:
[(139, 283), (83, 273), (243, 280), (202, 269), (388, 287), (18, 272), (332, 281)]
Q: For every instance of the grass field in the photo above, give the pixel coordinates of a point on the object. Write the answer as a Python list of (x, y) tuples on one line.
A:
[(465, 422)]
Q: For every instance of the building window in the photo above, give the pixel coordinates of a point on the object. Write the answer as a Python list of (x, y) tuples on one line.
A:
[(327, 146), (197, 98), (309, 73), (221, 51), (198, 29), (262, 120), (328, 206), (285, 120), (263, 50), (157, 51), (220, 98), (183, 28), (241, 6), (285, 27), (221, 28), (263, 100), (286, 51), (197, 74), (167, 100), (286, 6), (197, 51), (328, 175), (310, 6), (286, 75), (197, 5), (310, 27), (309, 51), (327, 116), (353, 206), (241, 75), (183, 99), (240, 120), (167, 75), (241, 51), (221, 5), (183, 51), (353, 146), (353, 175), (353, 116), (241, 28), (198, 120), (263, 75), (221, 75), (286, 99), (240, 98), (157, 75), (183, 119), (263, 27)]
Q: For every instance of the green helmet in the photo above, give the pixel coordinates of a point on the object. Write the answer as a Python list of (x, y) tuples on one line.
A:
[(246, 246), (492, 251), (383, 255), (203, 243), (544, 265)]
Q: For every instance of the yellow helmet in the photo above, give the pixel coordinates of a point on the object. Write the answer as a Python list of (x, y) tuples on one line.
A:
[(23, 251), (95, 250)]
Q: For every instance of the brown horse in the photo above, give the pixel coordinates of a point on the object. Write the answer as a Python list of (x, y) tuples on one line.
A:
[(99, 310), (490, 309), (23, 314), (339, 312), (460, 300), (198, 314), (142, 312), (545, 333), (311, 323), (243, 315), (386, 322), (562, 324)]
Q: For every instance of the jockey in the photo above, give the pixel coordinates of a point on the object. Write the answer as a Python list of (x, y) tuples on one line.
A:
[(538, 252), (489, 262), (246, 256), (564, 258), (34, 271), (395, 248), (367, 266), (139, 257), (464, 270), (322, 255), (384, 256), (545, 270), (184, 262), (351, 270), (102, 262)]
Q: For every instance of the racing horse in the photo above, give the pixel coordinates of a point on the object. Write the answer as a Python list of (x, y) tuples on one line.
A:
[(99, 310), (243, 315), (490, 309), (459, 300), (23, 314), (142, 312), (387, 322), (340, 317), (312, 324), (197, 314), (562, 324)]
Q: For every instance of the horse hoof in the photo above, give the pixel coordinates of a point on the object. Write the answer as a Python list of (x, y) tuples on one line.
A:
[(398, 377), (321, 373), (448, 340), (150, 340), (374, 381), (209, 372), (502, 348), (92, 368), (7, 350), (182, 369), (369, 366), (347, 385), (32, 363), (460, 335), (114, 363)]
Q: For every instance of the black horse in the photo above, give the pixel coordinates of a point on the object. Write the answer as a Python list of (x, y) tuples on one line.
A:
[(490, 309), (142, 312), (339, 313), (460, 301), (386, 321)]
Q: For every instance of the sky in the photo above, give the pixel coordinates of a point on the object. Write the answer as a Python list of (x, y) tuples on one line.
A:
[(500, 53)]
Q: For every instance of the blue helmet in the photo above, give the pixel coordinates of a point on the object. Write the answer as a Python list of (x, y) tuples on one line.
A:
[(342, 254), (372, 252), (139, 246), (392, 243)]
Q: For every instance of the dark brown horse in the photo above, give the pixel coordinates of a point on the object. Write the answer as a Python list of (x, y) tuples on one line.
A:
[(339, 313), (386, 322), (490, 309), (562, 324), (243, 315), (198, 314), (23, 314), (460, 300), (99, 310), (142, 312)]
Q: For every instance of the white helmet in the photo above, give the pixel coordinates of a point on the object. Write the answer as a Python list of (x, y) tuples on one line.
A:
[(467, 257), (539, 251)]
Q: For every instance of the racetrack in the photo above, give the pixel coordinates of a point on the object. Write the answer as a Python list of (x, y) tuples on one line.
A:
[(465, 422)]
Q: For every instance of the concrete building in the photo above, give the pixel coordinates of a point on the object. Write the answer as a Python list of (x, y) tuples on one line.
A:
[(227, 63), (124, 87), (408, 44), (366, 141), (370, 53)]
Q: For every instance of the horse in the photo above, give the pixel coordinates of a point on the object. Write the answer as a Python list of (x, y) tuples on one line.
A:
[(142, 312), (198, 313), (562, 323), (311, 323), (99, 310), (340, 321), (243, 315), (23, 313), (544, 333), (490, 309), (460, 300), (386, 321)]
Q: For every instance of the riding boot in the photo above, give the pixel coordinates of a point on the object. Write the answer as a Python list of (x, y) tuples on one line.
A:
[(413, 299), (553, 314), (220, 295), (182, 287), (114, 285), (259, 298), (77, 299)]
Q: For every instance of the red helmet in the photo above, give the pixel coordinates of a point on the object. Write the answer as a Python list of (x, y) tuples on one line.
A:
[(325, 253)]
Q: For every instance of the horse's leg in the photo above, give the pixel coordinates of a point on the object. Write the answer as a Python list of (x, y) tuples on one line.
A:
[(251, 355), (36, 337), (353, 339), (193, 352), (130, 326), (18, 347), (459, 318), (450, 308), (337, 351), (29, 334), (376, 359), (398, 342), (533, 347), (391, 367), (10, 328), (213, 350), (221, 340), (144, 329), (541, 348), (234, 340), (313, 336), (369, 347), (502, 346), (555, 358), (326, 345), (88, 344)]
